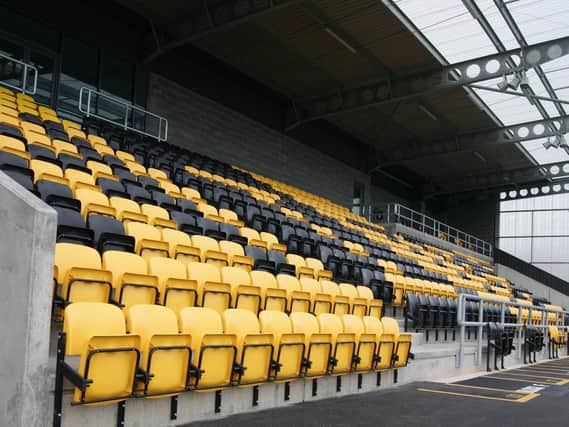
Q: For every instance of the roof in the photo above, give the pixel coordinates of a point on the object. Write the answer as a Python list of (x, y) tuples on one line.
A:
[(312, 48)]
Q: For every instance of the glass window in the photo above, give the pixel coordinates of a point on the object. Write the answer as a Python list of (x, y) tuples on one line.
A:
[(11, 73), (117, 77), (544, 224), (79, 68), (45, 65)]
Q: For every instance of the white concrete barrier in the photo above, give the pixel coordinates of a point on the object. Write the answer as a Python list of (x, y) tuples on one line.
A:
[(27, 242)]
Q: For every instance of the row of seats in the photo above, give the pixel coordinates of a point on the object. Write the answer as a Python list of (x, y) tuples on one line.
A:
[(127, 279), (150, 351)]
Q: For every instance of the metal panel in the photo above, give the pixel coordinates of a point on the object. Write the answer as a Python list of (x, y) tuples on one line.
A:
[(458, 74), (509, 134)]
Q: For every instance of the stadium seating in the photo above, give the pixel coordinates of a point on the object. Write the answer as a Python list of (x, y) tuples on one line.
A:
[(203, 276)]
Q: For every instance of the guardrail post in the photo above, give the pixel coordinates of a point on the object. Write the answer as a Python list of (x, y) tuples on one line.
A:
[(461, 315), (480, 333)]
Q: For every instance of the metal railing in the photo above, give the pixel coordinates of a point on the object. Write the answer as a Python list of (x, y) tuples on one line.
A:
[(396, 213), (18, 75), (123, 114), (560, 321)]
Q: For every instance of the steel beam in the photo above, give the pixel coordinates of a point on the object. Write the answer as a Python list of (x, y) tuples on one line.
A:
[(560, 186), (546, 172), (220, 15), (454, 75), (512, 24), (506, 135)]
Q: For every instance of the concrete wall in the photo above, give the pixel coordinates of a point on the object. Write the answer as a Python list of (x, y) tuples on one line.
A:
[(476, 215), (204, 126), (399, 228), (539, 289), (433, 362), (27, 230)]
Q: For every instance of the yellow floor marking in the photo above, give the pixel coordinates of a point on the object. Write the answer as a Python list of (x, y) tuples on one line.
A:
[(544, 371), (556, 368), (531, 375), (522, 399), (545, 381), (479, 387)]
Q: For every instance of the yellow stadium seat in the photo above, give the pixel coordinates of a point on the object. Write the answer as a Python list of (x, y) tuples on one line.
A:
[(340, 303), (244, 295), (343, 344), (366, 343), (78, 271), (272, 298), (359, 306), (131, 282), (108, 357), (127, 210), (165, 354), (148, 240), (209, 249), (93, 202), (235, 255), (42, 168), (317, 346), (254, 349), (157, 216), (180, 246), (288, 346), (297, 299), (213, 293), (214, 351), (320, 302), (176, 290)]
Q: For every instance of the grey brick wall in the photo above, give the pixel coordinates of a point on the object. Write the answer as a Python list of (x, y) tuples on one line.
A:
[(209, 128)]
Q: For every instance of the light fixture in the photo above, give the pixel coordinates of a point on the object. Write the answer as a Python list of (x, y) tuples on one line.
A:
[(515, 82), (555, 142), (503, 85), (480, 156), (341, 40), (524, 81), (427, 112)]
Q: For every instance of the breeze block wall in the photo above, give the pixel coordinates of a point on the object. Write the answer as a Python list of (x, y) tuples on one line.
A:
[(207, 127)]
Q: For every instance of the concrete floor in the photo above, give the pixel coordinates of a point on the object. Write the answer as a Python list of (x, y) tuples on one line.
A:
[(535, 395)]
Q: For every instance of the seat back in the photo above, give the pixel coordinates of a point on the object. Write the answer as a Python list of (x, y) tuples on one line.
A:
[(244, 294), (213, 293), (78, 272), (343, 343), (214, 351), (254, 350), (165, 354), (288, 347), (176, 291), (131, 281), (366, 343), (111, 372)]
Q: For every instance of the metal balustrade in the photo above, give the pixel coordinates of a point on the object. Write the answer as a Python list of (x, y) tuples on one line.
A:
[(122, 114), (18, 75), (396, 213), (561, 320)]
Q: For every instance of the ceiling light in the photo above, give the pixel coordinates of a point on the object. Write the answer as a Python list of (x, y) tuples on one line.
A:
[(480, 156), (427, 112), (554, 142), (503, 85), (341, 40), (524, 81), (515, 82)]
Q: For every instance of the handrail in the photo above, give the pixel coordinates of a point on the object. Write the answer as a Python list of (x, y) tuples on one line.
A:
[(397, 213), (5, 59), (560, 320), (90, 98)]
